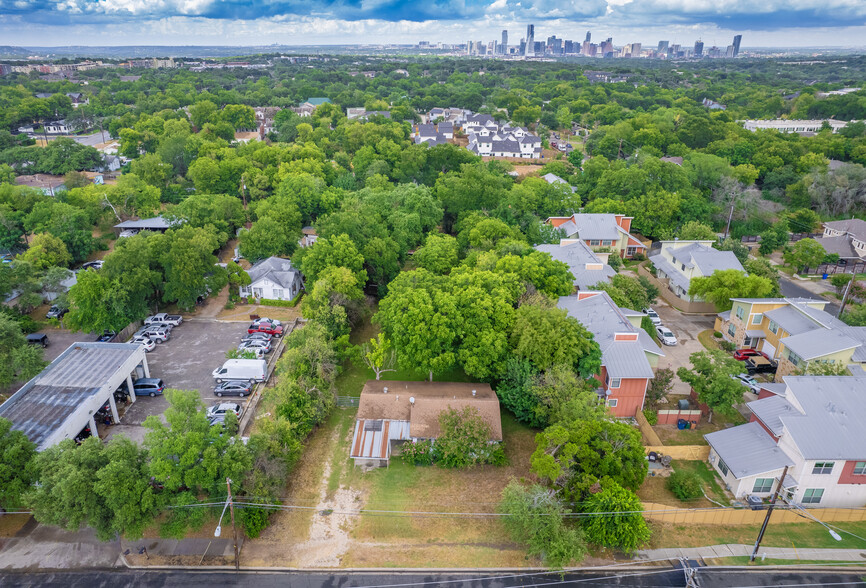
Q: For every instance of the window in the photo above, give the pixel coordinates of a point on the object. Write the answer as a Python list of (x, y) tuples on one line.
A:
[(732, 330), (258, 292), (812, 495), (278, 293), (763, 485), (615, 383), (774, 328), (683, 266), (594, 242), (757, 318), (823, 467), (860, 468), (741, 311), (793, 357), (630, 251), (611, 402), (723, 467)]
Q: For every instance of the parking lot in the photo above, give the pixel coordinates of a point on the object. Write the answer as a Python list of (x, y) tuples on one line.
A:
[(685, 328), (184, 362)]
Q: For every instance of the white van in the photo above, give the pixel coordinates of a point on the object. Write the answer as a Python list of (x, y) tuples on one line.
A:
[(242, 369)]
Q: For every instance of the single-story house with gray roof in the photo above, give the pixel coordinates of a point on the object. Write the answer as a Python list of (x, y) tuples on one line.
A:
[(273, 278)]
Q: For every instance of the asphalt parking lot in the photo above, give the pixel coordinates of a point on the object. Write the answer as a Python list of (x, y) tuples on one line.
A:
[(685, 328), (184, 362)]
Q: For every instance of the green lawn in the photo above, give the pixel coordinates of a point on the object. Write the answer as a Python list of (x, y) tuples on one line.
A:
[(794, 535), (708, 341), (708, 478)]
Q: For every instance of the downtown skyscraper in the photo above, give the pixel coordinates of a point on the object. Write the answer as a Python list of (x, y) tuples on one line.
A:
[(530, 40)]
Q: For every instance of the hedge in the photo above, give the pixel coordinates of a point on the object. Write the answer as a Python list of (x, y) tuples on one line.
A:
[(284, 303)]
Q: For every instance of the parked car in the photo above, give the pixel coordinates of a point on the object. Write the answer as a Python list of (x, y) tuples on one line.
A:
[(106, 337), (258, 351), (744, 354), (166, 326), (265, 319), (760, 365), (144, 341), (265, 346), (256, 337), (171, 319), (222, 408), (157, 334), (269, 328), (97, 265), (146, 386), (665, 335), (748, 381), (40, 339), (242, 369), (56, 312), (653, 316), (239, 388)]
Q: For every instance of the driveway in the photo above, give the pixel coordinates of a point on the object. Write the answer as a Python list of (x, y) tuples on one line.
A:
[(184, 362), (685, 328)]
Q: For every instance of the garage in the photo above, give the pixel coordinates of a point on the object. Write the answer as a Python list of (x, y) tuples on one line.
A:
[(61, 401)]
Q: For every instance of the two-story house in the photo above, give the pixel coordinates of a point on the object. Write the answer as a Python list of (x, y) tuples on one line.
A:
[(601, 231), (846, 238), (793, 331), (587, 267), (628, 353), (815, 427), (679, 262)]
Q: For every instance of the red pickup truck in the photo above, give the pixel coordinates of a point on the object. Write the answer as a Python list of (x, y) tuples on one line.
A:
[(269, 328)]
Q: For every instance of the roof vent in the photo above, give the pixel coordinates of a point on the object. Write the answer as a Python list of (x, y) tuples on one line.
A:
[(473, 393), (386, 390), (412, 400)]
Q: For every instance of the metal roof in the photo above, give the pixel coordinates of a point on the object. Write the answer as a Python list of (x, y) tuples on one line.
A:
[(676, 277), (792, 320), (707, 259), (81, 371), (576, 256), (372, 438), (833, 413), (770, 409), (748, 450), (155, 223), (627, 359), (819, 342)]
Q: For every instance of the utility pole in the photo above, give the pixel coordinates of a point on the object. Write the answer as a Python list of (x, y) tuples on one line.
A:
[(728, 226), (235, 529), (769, 512), (845, 296)]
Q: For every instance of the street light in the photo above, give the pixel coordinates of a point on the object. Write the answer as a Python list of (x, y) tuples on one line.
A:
[(219, 528)]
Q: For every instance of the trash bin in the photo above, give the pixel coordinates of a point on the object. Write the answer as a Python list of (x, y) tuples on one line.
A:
[(682, 424), (824, 276)]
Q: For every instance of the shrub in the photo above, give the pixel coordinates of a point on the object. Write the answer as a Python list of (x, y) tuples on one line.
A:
[(627, 529), (652, 417), (717, 334), (229, 305), (639, 257), (727, 345), (282, 303), (685, 485), (254, 520), (418, 453)]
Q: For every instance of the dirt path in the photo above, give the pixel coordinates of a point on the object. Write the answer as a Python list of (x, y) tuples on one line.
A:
[(329, 533)]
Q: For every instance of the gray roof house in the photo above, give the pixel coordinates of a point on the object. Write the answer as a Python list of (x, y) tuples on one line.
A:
[(845, 237), (273, 278), (681, 261), (628, 353), (587, 268), (156, 224), (815, 428), (555, 179)]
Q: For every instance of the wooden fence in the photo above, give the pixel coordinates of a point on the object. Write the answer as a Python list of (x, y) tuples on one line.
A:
[(858, 267), (649, 436), (744, 516), (683, 452), (671, 417)]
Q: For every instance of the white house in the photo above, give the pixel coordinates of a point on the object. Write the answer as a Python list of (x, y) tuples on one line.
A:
[(815, 427), (681, 261), (273, 278), (57, 127)]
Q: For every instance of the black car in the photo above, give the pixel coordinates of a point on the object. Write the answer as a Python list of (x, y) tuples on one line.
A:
[(40, 339), (239, 388), (760, 365), (106, 337)]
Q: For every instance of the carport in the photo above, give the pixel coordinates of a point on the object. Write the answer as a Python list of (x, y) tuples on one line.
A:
[(61, 401)]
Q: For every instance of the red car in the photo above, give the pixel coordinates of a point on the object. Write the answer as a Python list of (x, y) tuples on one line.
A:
[(269, 328), (744, 354)]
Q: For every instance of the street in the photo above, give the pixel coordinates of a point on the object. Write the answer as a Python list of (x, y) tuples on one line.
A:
[(791, 289)]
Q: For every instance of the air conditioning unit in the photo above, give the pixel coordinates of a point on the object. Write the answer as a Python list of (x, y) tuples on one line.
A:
[(712, 458), (728, 487)]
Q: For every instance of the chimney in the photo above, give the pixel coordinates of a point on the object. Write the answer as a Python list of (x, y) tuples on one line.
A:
[(386, 390), (473, 393)]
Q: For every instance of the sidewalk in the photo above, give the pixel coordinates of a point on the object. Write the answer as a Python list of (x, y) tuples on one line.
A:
[(739, 550)]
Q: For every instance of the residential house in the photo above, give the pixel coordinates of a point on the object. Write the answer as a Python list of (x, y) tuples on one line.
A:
[(78, 99), (815, 427), (554, 179), (273, 278), (353, 113), (47, 184), (70, 280), (587, 267), (307, 108), (847, 238), (391, 413), (57, 127), (456, 116), (801, 127), (679, 262), (309, 236), (713, 105), (628, 353), (794, 331), (157, 224), (265, 119), (489, 139), (601, 231)]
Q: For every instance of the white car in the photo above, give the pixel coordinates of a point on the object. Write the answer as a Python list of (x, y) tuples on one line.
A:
[(653, 316), (665, 335), (145, 342), (162, 317), (265, 319), (265, 346), (220, 409), (259, 351), (154, 333), (749, 382)]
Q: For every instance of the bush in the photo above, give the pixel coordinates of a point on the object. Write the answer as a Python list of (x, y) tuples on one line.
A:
[(639, 257), (229, 305), (27, 324), (727, 345), (717, 334), (652, 417), (418, 453), (685, 485), (282, 303), (464, 439), (254, 520)]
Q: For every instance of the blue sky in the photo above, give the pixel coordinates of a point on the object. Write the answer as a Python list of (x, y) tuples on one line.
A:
[(298, 22)]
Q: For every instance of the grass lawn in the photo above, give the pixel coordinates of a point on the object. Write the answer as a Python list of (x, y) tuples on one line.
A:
[(384, 540), (744, 561), (708, 341), (654, 488), (670, 435), (796, 536)]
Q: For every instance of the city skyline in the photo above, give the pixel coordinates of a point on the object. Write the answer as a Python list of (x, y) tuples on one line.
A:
[(772, 23)]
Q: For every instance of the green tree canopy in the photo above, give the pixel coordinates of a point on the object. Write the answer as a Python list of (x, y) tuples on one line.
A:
[(723, 285), (710, 378)]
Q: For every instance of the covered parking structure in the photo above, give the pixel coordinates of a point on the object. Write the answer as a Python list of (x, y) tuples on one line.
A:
[(62, 400)]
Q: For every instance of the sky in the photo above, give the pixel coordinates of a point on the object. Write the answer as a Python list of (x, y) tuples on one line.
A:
[(763, 23)]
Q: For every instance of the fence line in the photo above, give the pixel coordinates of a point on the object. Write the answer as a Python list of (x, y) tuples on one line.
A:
[(345, 401), (683, 452), (646, 429), (744, 516)]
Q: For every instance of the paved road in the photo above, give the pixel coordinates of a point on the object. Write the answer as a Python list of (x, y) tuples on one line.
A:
[(791, 289)]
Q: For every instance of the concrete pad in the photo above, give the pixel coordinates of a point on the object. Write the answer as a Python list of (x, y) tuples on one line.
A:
[(686, 329)]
